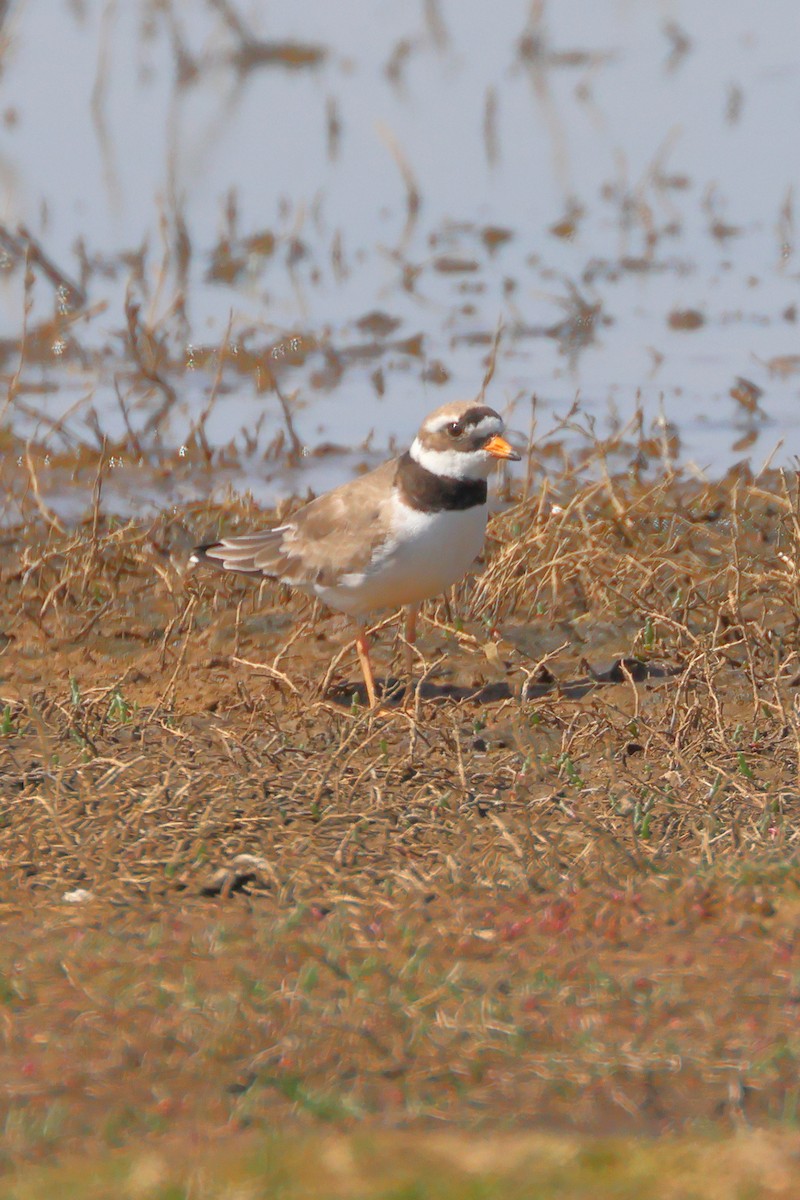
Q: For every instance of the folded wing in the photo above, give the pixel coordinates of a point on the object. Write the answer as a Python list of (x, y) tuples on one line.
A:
[(334, 535)]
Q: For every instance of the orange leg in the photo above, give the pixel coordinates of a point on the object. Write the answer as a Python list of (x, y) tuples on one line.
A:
[(362, 646), (411, 637)]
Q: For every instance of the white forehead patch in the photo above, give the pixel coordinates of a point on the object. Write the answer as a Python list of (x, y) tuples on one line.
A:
[(487, 426)]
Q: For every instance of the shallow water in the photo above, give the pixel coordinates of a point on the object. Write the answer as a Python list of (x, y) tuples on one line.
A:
[(348, 198)]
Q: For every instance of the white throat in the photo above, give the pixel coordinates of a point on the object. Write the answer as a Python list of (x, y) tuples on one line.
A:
[(452, 464)]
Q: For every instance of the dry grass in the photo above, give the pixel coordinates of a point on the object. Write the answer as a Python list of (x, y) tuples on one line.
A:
[(554, 888), (622, 673)]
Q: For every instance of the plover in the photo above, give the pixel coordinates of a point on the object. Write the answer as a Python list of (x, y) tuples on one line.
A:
[(390, 538)]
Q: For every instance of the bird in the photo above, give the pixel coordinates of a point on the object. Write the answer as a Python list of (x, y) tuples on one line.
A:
[(391, 538)]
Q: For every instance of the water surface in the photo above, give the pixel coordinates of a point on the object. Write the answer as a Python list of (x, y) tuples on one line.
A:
[(347, 199)]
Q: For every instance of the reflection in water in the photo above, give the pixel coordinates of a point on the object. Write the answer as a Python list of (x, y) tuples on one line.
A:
[(197, 209)]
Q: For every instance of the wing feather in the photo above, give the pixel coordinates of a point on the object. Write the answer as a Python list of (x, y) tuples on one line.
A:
[(336, 534)]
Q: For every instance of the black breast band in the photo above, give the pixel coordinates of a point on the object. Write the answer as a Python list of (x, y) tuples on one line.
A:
[(427, 492)]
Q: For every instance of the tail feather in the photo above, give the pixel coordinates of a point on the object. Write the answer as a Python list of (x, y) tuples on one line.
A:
[(251, 554)]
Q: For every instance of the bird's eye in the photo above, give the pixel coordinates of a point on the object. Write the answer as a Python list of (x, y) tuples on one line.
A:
[(454, 428)]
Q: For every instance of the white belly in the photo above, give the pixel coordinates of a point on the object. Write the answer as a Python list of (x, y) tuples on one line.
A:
[(429, 553)]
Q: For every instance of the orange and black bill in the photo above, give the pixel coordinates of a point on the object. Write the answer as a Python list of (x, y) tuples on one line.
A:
[(498, 447)]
